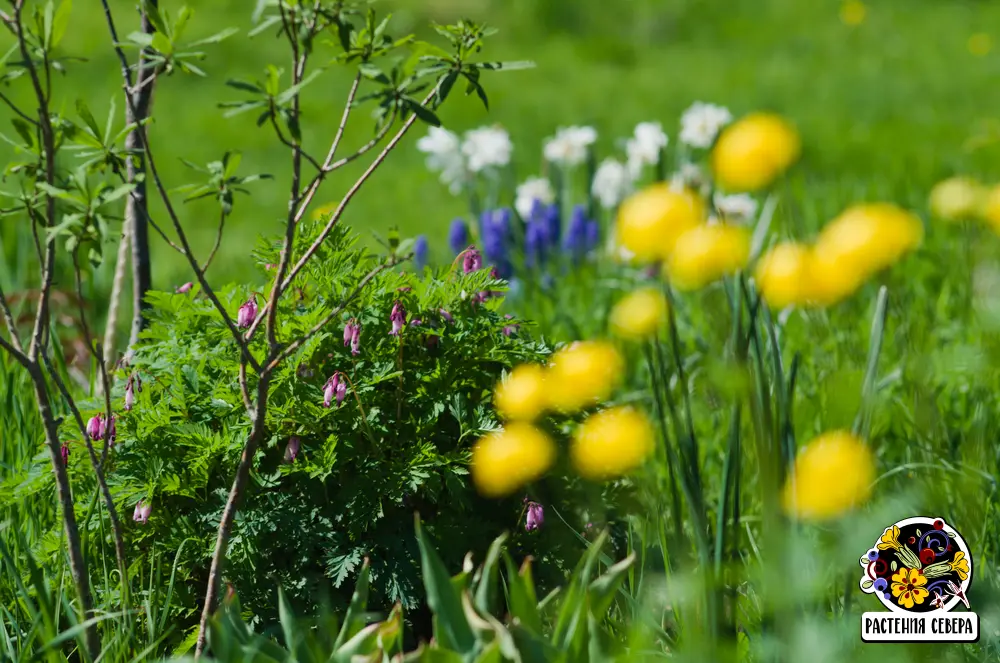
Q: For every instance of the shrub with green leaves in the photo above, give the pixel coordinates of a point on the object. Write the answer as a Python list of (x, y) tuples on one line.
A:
[(412, 406)]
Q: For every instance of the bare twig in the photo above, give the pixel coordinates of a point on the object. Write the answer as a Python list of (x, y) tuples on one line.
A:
[(8, 318), (24, 116), (218, 241)]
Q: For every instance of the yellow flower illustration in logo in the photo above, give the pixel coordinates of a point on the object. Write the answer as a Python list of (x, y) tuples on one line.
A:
[(960, 565), (890, 539), (908, 585)]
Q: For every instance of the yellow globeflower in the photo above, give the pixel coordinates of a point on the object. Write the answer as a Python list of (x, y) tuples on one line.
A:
[(782, 274), (870, 237), (754, 151), (611, 443), (650, 221), (522, 394), (833, 474), (505, 460), (956, 199), (991, 208), (639, 314), (583, 374), (830, 279), (707, 253)]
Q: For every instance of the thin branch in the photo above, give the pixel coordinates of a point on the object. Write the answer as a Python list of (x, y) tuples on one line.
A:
[(24, 116), (318, 327), (343, 124), (293, 146), (340, 209), (140, 130), (340, 163), (218, 240), (8, 318)]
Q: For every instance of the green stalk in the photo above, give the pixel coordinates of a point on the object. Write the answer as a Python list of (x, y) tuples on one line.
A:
[(862, 423)]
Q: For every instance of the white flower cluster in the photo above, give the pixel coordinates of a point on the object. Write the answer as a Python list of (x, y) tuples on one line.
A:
[(457, 159)]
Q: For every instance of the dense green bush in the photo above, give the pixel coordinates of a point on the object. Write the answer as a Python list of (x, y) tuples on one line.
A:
[(399, 441)]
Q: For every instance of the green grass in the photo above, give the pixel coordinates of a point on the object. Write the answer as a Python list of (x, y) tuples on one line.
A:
[(891, 101)]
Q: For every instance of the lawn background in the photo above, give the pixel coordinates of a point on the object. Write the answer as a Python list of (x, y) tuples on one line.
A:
[(886, 107)]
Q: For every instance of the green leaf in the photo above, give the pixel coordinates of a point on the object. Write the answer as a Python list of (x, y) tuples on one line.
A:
[(602, 590), (61, 21), (486, 592), (180, 25), (442, 598), (286, 616), (355, 611), (24, 131), (288, 94), (152, 13), (88, 118), (425, 114), (162, 43), (522, 600), (231, 163), (216, 38)]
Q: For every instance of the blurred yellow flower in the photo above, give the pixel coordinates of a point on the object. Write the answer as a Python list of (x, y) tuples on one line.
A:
[(650, 221), (782, 274), (706, 253), (852, 12), (862, 241), (506, 460), (323, 211), (583, 374), (522, 394), (833, 474), (754, 151), (980, 44), (611, 443), (639, 314), (957, 199), (991, 208)]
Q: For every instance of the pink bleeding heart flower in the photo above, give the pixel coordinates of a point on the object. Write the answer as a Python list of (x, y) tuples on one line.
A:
[(247, 313), (142, 511)]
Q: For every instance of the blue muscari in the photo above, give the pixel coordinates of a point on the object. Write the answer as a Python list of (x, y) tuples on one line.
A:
[(420, 250), (543, 236), (458, 236)]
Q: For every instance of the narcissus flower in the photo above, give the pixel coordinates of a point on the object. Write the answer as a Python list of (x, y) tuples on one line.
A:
[(832, 475), (639, 314), (650, 221), (583, 374), (522, 394), (706, 253), (141, 512), (957, 199), (247, 312), (505, 460), (782, 275), (751, 153), (612, 443)]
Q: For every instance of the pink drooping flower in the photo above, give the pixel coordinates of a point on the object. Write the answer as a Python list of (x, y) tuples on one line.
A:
[(184, 289), (292, 450), (111, 430), (398, 318), (535, 518), (142, 511), (330, 389), (133, 385), (472, 260), (511, 329), (416, 322), (447, 316), (247, 313), (64, 452), (95, 427), (352, 336)]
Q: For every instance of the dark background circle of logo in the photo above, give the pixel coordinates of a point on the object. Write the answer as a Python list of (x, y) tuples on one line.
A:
[(921, 537)]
